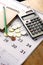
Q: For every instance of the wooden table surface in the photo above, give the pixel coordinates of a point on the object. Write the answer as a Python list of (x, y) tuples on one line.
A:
[(36, 58)]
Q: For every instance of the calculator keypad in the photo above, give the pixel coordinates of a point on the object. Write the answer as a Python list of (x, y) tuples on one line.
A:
[(35, 27)]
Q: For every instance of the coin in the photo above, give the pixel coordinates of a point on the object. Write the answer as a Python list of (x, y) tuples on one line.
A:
[(10, 34), (17, 30), (23, 33), (14, 27), (5, 34), (11, 30), (18, 34)]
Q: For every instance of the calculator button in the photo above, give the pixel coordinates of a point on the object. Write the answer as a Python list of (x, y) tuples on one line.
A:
[(32, 23), (39, 24), (35, 22), (35, 19), (31, 30), (42, 24), (29, 24), (38, 18), (33, 33), (32, 26), (37, 27), (36, 31), (40, 21), (39, 30), (32, 20)]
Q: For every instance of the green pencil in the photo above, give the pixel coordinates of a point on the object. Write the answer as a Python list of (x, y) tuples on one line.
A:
[(5, 21)]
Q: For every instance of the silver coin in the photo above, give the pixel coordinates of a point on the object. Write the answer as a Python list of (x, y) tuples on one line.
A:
[(14, 27), (23, 33), (11, 29), (10, 34), (18, 34), (17, 30), (5, 34)]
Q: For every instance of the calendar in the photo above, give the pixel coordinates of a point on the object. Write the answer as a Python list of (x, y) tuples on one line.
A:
[(16, 52)]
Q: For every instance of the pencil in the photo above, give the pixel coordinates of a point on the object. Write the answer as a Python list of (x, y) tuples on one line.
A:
[(5, 21)]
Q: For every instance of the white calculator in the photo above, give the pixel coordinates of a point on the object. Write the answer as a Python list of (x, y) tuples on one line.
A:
[(33, 23)]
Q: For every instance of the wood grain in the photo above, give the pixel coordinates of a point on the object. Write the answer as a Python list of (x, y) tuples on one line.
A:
[(35, 4), (36, 58)]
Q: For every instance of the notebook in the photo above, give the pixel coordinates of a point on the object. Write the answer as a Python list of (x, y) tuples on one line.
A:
[(10, 15)]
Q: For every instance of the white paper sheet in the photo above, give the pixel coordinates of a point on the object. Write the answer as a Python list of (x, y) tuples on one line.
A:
[(15, 5), (1, 7), (22, 49)]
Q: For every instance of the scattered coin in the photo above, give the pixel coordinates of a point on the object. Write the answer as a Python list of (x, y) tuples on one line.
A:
[(14, 27), (17, 30), (23, 33), (10, 34), (18, 34), (5, 34), (11, 30)]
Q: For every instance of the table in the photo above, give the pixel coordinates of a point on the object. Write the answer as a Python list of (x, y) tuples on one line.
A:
[(36, 58)]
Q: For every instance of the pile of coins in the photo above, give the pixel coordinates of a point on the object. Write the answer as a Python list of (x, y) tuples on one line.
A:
[(15, 31)]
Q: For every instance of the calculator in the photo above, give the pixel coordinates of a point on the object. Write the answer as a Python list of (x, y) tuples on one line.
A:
[(33, 23)]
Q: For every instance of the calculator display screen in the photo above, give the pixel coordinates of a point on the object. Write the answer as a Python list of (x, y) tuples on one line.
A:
[(28, 16)]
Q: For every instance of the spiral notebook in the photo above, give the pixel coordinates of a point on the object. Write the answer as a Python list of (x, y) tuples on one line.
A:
[(10, 15)]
